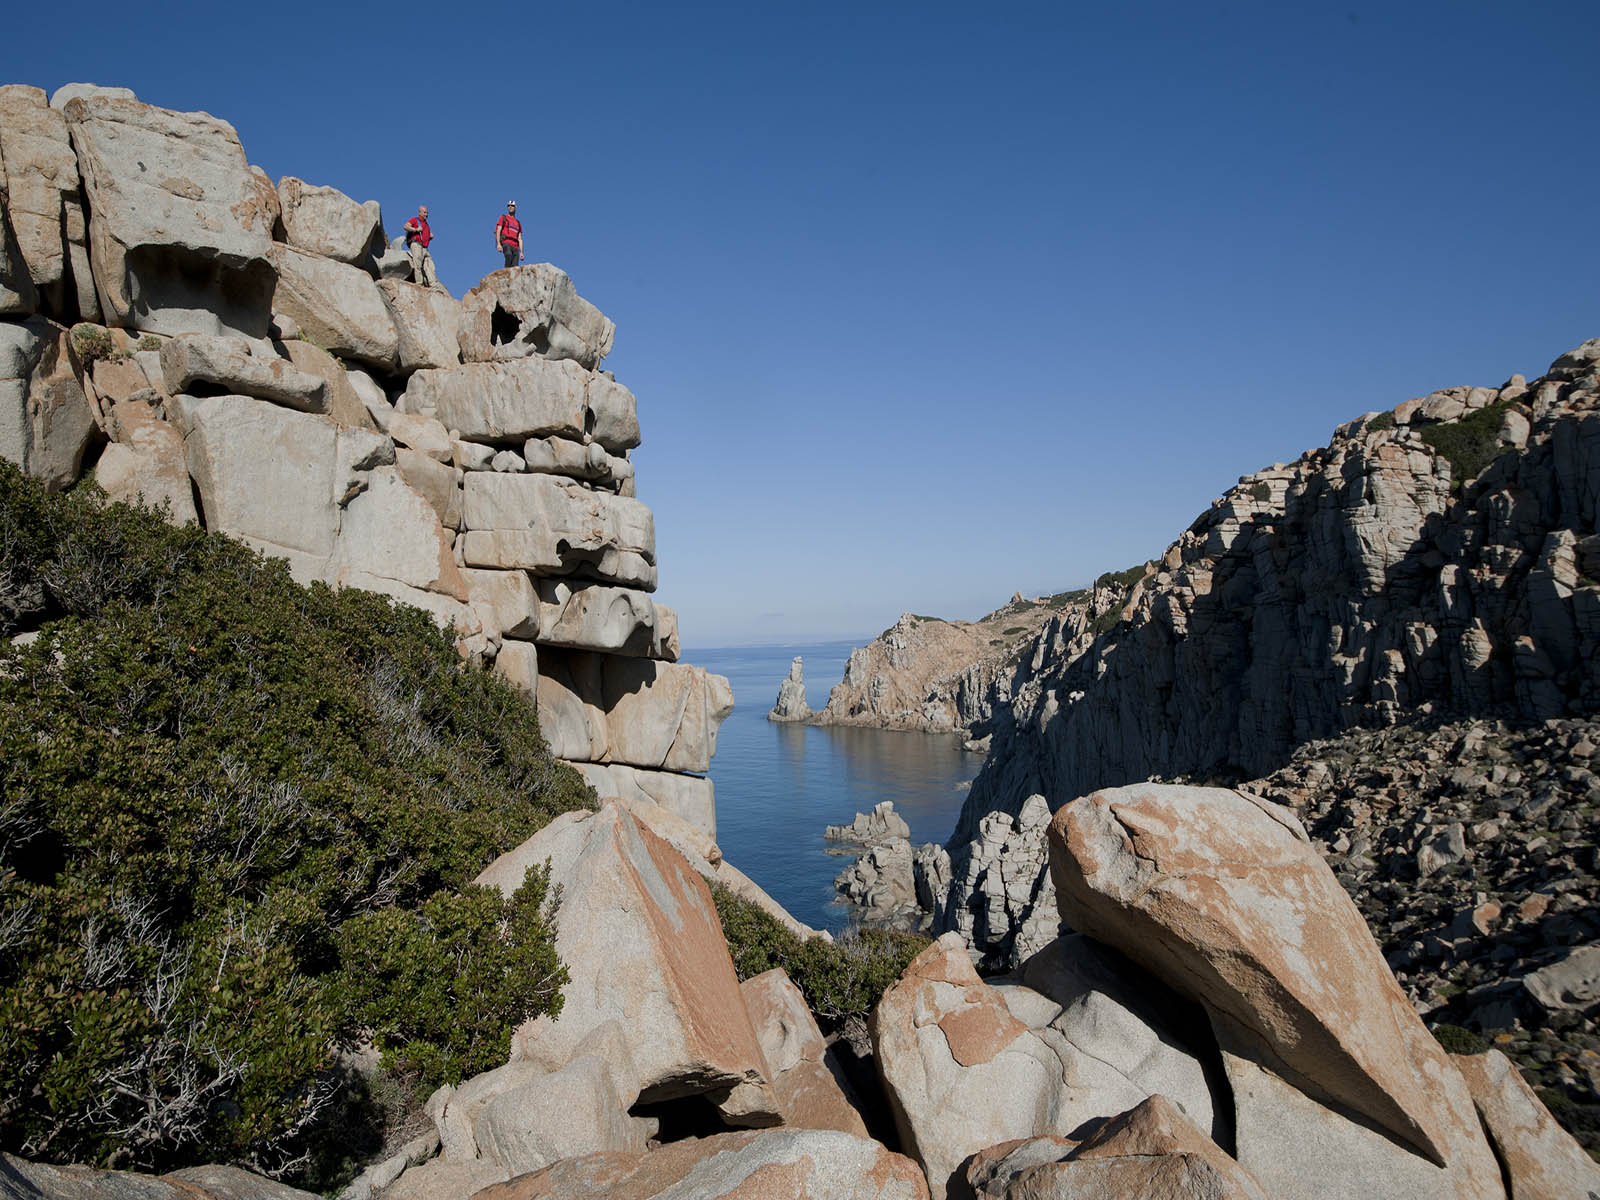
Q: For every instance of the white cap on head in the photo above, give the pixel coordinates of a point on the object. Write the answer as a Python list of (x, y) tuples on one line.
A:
[(511, 203)]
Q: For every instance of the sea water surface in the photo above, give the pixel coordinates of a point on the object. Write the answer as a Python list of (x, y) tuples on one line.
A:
[(779, 785)]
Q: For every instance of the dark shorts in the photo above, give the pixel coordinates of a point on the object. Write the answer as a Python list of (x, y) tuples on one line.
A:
[(510, 253)]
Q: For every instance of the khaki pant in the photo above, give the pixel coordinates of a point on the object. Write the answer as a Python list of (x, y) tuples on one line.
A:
[(422, 265)]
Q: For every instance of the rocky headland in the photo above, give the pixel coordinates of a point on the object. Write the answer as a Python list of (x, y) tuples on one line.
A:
[(938, 676), (1192, 1002)]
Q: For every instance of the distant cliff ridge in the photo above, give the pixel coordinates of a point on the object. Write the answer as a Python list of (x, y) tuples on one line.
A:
[(1440, 558)]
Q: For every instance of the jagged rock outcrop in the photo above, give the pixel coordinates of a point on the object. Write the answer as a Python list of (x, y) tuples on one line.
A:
[(791, 703), (43, 203), (881, 886), (1001, 900), (466, 457), (879, 825)]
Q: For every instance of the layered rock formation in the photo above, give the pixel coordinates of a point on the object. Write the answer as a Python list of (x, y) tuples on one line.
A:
[(265, 366)]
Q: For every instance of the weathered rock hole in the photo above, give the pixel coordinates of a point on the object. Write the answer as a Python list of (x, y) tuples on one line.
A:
[(205, 295), (504, 327), (683, 1118)]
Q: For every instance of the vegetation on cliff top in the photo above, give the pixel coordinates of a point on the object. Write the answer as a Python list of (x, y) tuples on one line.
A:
[(237, 818)]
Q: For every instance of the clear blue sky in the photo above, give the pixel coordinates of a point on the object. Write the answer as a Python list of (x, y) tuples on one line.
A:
[(926, 304)]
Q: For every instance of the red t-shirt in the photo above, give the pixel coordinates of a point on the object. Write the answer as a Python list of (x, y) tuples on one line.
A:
[(508, 229), (417, 231)]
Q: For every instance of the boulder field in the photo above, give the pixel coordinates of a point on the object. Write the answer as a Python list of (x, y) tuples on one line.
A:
[(1221, 1025)]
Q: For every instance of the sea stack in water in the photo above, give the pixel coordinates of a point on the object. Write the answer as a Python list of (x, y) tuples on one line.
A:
[(791, 705)]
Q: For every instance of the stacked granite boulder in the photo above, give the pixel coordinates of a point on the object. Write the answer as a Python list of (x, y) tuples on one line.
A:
[(255, 357)]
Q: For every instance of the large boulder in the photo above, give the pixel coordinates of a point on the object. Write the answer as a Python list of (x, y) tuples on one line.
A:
[(39, 174), (24, 1180), (1541, 1160), (592, 616), (72, 91), (522, 312), (391, 531), (639, 936), (772, 1164), (1152, 1150), (551, 526), (427, 320), (967, 1065), (337, 306), (145, 463), (607, 708), (691, 797), (1221, 895), (180, 226), (345, 404), (806, 1075), (531, 398), (266, 475), (507, 600), (434, 481), (325, 222), (231, 365), (18, 295), (561, 456), (580, 1109), (46, 421)]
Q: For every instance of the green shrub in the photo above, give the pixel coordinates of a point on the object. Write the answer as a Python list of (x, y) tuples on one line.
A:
[(1105, 622), (1470, 444), (1260, 492), (440, 1026), (1384, 420), (91, 342), (842, 979), (1013, 630), (215, 787), (149, 341), (1457, 1040), (1121, 579)]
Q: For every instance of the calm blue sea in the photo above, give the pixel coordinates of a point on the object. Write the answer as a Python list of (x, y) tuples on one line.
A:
[(778, 786)]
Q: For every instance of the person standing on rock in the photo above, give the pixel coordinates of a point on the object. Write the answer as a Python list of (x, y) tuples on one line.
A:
[(418, 235), (508, 234)]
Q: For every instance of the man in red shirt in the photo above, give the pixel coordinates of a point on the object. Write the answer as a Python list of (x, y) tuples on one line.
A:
[(508, 234), (418, 235)]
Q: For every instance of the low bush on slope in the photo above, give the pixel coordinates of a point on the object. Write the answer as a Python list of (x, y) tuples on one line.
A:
[(236, 820), (841, 980)]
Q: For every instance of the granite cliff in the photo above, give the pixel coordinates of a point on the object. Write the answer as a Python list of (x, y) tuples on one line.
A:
[(255, 357)]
